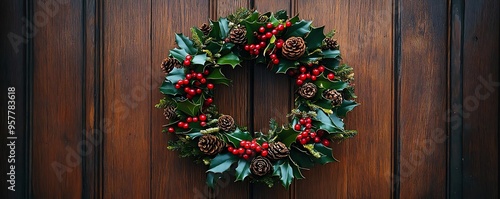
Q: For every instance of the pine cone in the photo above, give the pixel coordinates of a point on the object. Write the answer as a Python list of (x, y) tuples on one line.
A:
[(260, 166), (168, 64), (308, 90), (226, 123), (238, 35), (169, 112), (293, 48), (206, 28), (331, 44), (277, 151), (334, 96), (210, 144)]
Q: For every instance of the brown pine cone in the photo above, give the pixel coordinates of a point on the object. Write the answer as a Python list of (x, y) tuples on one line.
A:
[(169, 112), (293, 48), (206, 28), (260, 166), (334, 96), (238, 35), (330, 44), (226, 123), (277, 151), (168, 64), (308, 90), (210, 144)]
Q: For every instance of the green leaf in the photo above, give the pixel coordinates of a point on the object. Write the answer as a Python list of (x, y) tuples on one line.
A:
[(251, 27), (237, 136), (197, 36), (188, 107), (296, 170), (224, 27), (315, 38), (226, 48), (324, 83), (326, 154), (331, 53), (324, 122), (175, 75), (347, 105), (229, 59), (194, 135), (281, 14), (331, 64), (274, 21), (284, 171), (301, 157), (215, 33), (179, 54), (284, 66), (298, 29), (168, 88), (222, 162), (242, 171), (214, 47), (217, 77), (212, 179), (199, 59), (295, 19), (185, 43), (337, 121), (253, 17), (287, 136)]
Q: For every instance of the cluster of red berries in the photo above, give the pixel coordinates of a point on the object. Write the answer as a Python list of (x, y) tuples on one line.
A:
[(249, 149), (263, 35), (187, 61), (310, 72), (307, 135), (193, 82), (185, 124)]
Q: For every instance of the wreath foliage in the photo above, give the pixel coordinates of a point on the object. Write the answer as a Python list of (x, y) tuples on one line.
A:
[(325, 93)]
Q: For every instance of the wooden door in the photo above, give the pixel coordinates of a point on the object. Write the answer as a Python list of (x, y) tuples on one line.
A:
[(427, 77)]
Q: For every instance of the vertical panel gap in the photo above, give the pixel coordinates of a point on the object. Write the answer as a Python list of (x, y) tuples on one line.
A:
[(395, 178)]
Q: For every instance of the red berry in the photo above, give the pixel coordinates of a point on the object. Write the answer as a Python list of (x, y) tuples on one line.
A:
[(263, 37), (180, 124), (235, 152), (246, 157), (312, 135), (177, 86), (281, 27), (198, 91), (276, 61), (252, 47), (248, 152), (325, 142), (203, 80), (321, 68), (279, 44), (317, 139), (187, 62), (189, 57), (262, 29), (302, 121), (206, 72), (308, 126), (199, 76), (192, 92), (209, 100), (189, 96), (304, 134), (272, 56), (299, 82), (262, 44), (288, 24), (210, 86), (274, 32), (302, 69), (257, 46), (180, 82), (230, 149), (265, 145), (313, 78), (242, 142), (299, 136), (309, 64), (247, 47), (308, 139), (253, 145), (203, 118), (195, 119), (297, 127), (197, 83), (308, 75), (255, 51), (258, 149), (308, 120), (303, 141), (189, 119), (171, 130), (185, 82), (186, 89), (269, 25), (186, 126), (241, 150), (331, 76), (302, 77), (263, 153), (247, 145), (315, 72), (320, 133), (269, 35), (188, 76)]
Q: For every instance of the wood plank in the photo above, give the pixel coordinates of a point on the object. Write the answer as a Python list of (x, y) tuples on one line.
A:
[(13, 73), (127, 99), (172, 176), (481, 96), (423, 96), (272, 98), (57, 102), (366, 44)]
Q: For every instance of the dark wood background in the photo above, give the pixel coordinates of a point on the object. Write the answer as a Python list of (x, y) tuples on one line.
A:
[(87, 82)]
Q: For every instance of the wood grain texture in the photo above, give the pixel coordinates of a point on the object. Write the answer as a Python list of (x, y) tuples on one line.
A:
[(172, 176), (13, 72), (272, 98), (57, 104), (481, 97), (366, 44), (127, 99), (422, 112)]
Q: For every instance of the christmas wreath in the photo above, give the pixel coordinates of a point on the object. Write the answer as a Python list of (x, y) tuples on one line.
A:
[(325, 93)]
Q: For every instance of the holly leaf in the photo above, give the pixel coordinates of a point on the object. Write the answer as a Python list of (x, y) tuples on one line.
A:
[(296, 170), (273, 20), (331, 64), (281, 14), (346, 106), (194, 135), (287, 136), (324, 83), (298, 29), (179, 54), (199, 59), (229, 59), (168, 88), (331, 53), (175, 75), (326, 154), (222, 162), (294, 19), (217, 77), (251, 27), (301, 157), (284, 66), (315, 38), (226, 48), (189, 107), (213, 47), (185, 43), (215, 33), (324, 122), (224, 27), (212, 179), (337, 121), (242, 171), (237, 136), (284, 171)]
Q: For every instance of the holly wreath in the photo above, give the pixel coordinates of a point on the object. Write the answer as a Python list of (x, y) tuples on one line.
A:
[(324, 90)]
